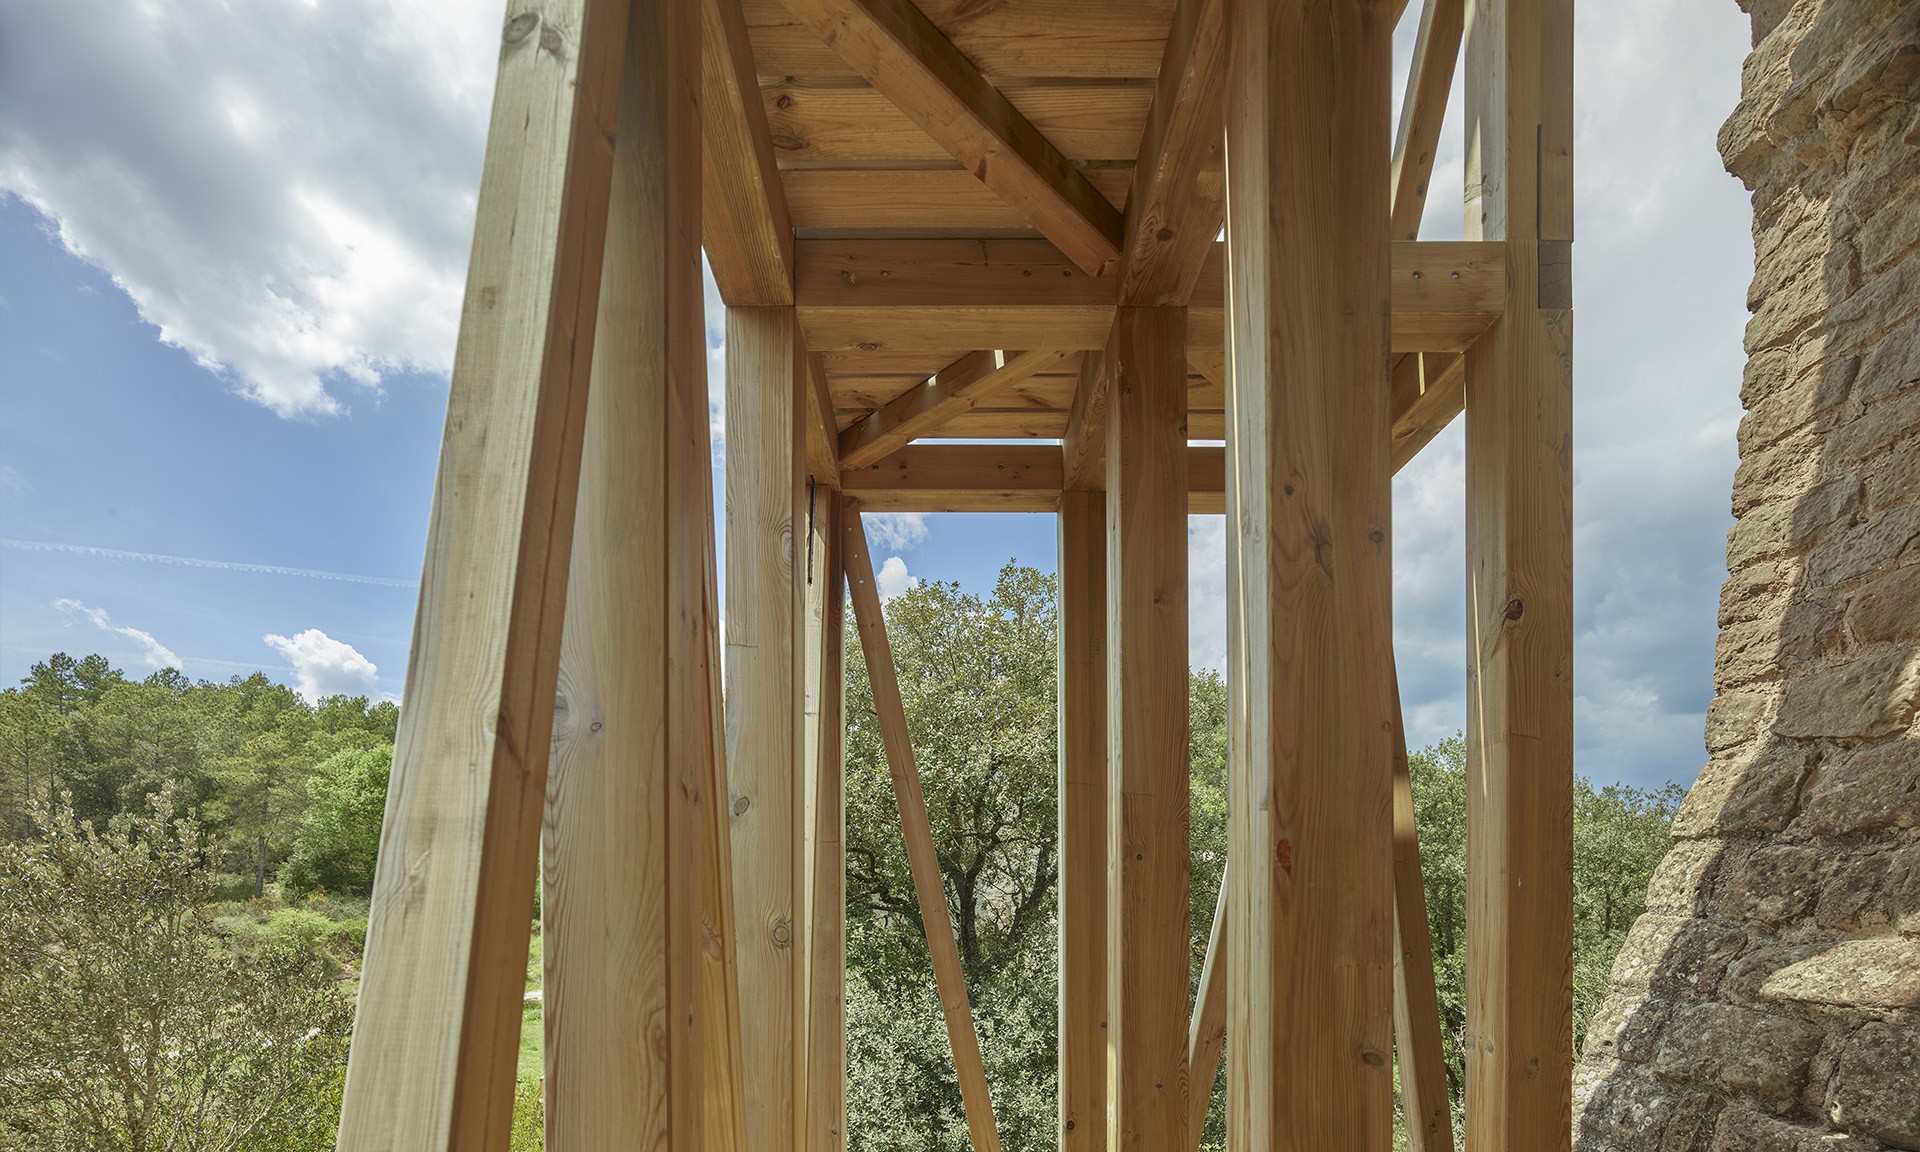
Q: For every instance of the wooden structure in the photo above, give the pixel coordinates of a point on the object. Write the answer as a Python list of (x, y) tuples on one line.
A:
[(997, 223)]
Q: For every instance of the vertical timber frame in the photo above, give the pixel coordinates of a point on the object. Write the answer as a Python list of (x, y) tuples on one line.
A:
[(766, 645), (1082, 766), (1310, 906), (436, 1033), (1519, 404), (1147, 751), (624, 865), (826, 914)]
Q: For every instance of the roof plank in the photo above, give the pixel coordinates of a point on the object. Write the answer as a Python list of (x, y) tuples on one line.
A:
[(744, 225)]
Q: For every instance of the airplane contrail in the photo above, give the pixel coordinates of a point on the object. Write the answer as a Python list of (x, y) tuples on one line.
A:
[(220, 565)]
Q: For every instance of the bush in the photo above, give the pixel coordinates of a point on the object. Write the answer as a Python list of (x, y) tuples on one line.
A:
[(127, 1023)]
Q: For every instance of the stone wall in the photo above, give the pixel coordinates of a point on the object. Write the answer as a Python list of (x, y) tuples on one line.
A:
[(1770, 997)]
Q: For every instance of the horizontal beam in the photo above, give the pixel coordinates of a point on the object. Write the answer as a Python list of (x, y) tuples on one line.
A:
[(893, 295), (948, 393), (1001, 478)]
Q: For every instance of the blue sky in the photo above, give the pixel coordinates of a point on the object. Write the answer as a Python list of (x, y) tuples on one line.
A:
[(231, 246)]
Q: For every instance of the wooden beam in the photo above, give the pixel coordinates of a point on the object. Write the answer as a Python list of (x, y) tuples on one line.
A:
[(725, 1110), (1083, 448), (1416, 1003), (1310, 906), (744, 225), (438, 1022), (944, 395), (1421, 111), (1429, 390), (902, 54), (935, 919), (1009, 477), (1147, 729), (1519, 397), (766, 646), (826, 803), (823, 435), (1208, 1034), (1083, 822), (883, 295), (622, 861), (1178, 193)]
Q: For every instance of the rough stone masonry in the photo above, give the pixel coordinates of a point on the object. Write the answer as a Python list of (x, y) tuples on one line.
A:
[(1770, 997)]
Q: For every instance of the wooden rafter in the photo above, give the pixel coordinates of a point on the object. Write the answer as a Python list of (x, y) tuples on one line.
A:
[(1178, 195), (1416, 1002), (823, 447), (1422, 110), (935, 919), (744, 225), (944, 395), (1008, 477), (1207, 1036), (1429, 390), (907, 58), (880, 295), (1084, 446)]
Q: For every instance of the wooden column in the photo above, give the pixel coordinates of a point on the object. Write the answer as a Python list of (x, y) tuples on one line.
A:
[(1416, 1003), (765, 650), (1310, 905), (1147, 730), (1082, 694), (438, 1025), (623, 862), (1519, 386), (826, 825)]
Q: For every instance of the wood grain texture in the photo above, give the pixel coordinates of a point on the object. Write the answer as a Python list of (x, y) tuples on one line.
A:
[(1429, 390), (823, 432), (766, 646), (949, 393), (1083, 448), (745, 228), (1179, 190), (1310, 905), (1147, 792), (725, 1112), (1427, 1111), (1519, 402), (890, 296), (1002, 478), (826, 823), (436, 1033), (1083, 821), (935, 919), (1436, 50), (1006, 40), (924, 201), (835, 125), (623, 862), (904, 56), (1207, 1035)]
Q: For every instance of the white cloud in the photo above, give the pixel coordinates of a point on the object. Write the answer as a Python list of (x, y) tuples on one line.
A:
[(1207, 592), (156, 654), (892, 579), (324, 666), (285, 189), (895, 531)]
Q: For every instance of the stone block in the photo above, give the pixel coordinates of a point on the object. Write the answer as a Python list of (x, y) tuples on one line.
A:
[(1876, 787), (1627, 1025), (1879, 424), (1776, 472), (1893, 365), (1885, 299), (1887, 609), (1745, 795), (1778, 884), (1877, 973), (1891, 479), (1866, 697), (1740, 1050), (1862, 548), (1676, 955), (1734, 716), (1741, 1129), (1873, 894), (1748, 592), (1876, 1090), (1627, 1110), (1683, 883)]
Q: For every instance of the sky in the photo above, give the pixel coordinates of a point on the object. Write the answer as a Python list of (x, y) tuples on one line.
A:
[(232, 244)]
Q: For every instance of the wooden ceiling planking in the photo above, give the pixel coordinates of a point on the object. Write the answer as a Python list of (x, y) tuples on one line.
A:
[(1007, 40), (833, 122), (927, 201)]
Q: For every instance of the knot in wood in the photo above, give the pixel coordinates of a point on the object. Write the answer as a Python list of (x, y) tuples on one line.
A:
[(1515, 609), (782, 934), (518, 27)]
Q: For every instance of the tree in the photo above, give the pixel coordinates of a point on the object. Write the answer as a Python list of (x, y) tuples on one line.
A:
[(339, 835), (126, 1023)]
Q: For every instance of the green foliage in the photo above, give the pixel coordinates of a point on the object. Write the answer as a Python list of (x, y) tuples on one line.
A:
[(339, 834), (128, 1022)]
